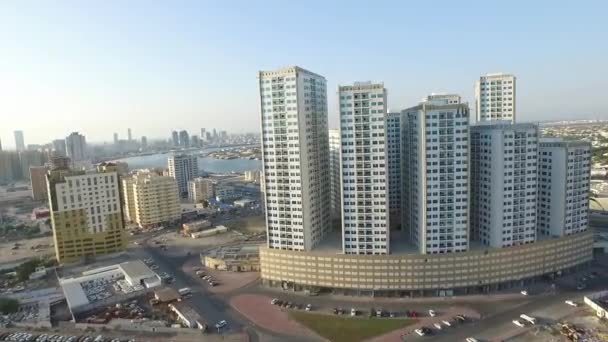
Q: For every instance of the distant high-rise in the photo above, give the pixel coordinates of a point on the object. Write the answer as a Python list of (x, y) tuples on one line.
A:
[(183, 168), (195, 141), (335, 184), (144, 142), (564, 173), (28, 159), (495, 98), (365, 211), (86, 222), (184, 139), (175, 138), (115, 138), (436, 175), (59, 148), (10, 168), (129, 136), (393, 147), (203, 134), (504, 183), (38, 182), (295, 150), (19, 141), (76, 146)]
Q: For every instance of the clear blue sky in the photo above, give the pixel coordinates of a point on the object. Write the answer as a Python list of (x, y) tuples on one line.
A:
[(102, 66)]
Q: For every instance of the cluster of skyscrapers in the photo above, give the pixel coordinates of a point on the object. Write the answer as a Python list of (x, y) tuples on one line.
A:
[(17, 165), (183, 139), (424, 171)]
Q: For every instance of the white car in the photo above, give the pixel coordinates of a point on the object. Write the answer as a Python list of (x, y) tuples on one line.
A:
[(274, 301), (471, 339), (353, 312), (308, 307), (438, 326), (221, 324), (524, 292), (432, 313), (447, 323), (419, 332), (571, 303), (518, 323)]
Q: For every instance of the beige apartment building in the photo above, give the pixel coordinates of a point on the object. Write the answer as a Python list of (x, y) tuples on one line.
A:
[(38, 182), (201, 189), (86, 212), (150, 199)]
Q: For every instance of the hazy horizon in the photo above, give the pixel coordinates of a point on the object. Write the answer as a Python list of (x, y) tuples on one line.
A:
[(101, 67)]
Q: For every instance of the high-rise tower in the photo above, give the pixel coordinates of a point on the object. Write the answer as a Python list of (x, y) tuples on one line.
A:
[(293, 104)]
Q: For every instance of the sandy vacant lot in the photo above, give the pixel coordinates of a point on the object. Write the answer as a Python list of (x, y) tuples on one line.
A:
[(8, 254)]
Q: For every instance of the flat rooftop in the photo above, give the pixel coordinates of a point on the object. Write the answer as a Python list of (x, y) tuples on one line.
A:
[(136, 270)]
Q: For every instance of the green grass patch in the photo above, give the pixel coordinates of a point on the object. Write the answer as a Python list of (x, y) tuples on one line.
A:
[(348, 329)]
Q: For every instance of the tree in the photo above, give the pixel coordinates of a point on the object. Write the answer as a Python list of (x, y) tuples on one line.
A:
[(24, 270), (8, 305)]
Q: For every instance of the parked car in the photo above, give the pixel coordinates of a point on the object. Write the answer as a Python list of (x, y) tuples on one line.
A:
[(432, 313), (447, 323), (221, 324), (353, 312), (471, 339), (419, 332), (524, 292), (308, 307), (518, 323), (571, 303), (438, 326)]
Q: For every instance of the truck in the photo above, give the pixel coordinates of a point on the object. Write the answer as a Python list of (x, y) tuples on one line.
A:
[(184, 291), (532, 320)]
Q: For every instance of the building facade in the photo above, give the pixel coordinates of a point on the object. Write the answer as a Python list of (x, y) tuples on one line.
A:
[(184, 139), (436, 175), (86, 213), (76, 146), (504, 170), (28, 159), (150, 200), (19, 141), (335, 183), (183, 168), (295, 150), (564, 182), (364, 169), (59, 148), (38, 182), (393, 147), (201, 189), (10, 167), (495, 98)]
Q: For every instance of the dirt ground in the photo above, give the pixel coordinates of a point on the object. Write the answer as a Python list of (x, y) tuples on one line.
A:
[(8, 254), (178, 244), (253, 224), (228, 281)]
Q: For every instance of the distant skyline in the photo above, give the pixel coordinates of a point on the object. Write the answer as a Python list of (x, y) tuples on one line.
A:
[(101, 67)]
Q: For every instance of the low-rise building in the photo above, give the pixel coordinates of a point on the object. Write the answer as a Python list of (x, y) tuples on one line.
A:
[(188, 316), (242, 258), (196, 226)]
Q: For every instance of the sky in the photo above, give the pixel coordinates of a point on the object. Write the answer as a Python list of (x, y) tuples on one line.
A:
[(99, 67)]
